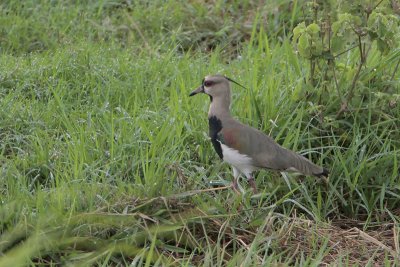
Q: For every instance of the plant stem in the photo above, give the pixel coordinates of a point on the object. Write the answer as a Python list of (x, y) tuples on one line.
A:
[(395, 70), (335, 80), (347, 50), (357, 75), (312, 70)]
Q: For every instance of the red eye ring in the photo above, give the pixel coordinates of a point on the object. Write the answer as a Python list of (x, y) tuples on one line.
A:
[(208, 83)]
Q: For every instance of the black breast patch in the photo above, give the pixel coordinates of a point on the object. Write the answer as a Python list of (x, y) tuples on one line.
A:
[(215, 126)]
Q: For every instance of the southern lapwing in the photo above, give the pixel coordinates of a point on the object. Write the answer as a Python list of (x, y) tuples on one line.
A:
[(245, 148)]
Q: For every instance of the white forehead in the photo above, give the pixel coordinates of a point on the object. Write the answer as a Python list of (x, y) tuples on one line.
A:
[(214, 78)]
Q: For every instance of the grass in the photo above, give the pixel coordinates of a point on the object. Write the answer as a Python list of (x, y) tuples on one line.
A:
[(105, 160)]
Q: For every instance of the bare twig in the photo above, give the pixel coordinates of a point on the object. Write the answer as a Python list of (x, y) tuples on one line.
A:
[(345, 51), (312, 71), (375, 241), (195, 192), (344, 104), (380, 2), (396, 240), (357, 75), (335, 80), (395, 70)]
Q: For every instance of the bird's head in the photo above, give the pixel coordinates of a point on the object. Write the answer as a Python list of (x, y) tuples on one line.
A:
[(214, 86)]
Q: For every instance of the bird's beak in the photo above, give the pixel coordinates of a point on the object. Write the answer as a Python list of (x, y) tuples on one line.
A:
[(199, 89)]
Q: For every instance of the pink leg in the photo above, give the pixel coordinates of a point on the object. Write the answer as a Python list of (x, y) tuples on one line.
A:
[(252, 184), (235, 185)]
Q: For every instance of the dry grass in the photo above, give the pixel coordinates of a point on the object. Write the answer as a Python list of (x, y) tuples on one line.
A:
[(345, 240), (175, 230)]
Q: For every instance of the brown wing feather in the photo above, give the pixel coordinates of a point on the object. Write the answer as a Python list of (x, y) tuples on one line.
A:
[(264, 151)]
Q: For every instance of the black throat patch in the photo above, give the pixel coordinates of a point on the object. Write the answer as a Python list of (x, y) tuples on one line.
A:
[(215, 126)]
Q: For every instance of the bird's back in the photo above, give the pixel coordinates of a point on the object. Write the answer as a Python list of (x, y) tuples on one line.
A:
[(263, 150)]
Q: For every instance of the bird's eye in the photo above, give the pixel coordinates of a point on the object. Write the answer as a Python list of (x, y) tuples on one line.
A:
[(208, 83)]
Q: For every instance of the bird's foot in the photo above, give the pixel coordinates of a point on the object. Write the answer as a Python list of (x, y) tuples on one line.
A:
[(235, 186), (253, 185)]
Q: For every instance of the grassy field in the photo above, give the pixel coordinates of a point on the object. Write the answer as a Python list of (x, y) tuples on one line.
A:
[(105, 160)]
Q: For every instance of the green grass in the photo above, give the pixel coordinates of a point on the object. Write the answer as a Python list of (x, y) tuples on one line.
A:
[(105, 160)]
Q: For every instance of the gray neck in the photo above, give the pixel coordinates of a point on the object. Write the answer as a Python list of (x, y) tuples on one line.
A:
[(219, 107)]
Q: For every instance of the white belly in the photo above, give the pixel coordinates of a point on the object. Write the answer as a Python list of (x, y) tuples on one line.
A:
[(242, 162)]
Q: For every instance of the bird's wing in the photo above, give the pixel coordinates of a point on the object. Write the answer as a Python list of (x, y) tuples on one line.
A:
[(249, 141), (264, 151)]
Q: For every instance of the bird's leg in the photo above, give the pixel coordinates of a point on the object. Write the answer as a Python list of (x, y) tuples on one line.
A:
[(235, 185), (252, 183), (236, 174)]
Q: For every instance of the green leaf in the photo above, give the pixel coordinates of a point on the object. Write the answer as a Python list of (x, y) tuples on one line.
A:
[(316, 48), (337, 44), (313, 29), (384, 29), (298, 31), (304, 47)]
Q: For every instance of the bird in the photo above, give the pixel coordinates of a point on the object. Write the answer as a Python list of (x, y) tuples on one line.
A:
[(245, 148)]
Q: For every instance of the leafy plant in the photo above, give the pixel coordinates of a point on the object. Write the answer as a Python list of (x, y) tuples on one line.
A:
[(328, 39)]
